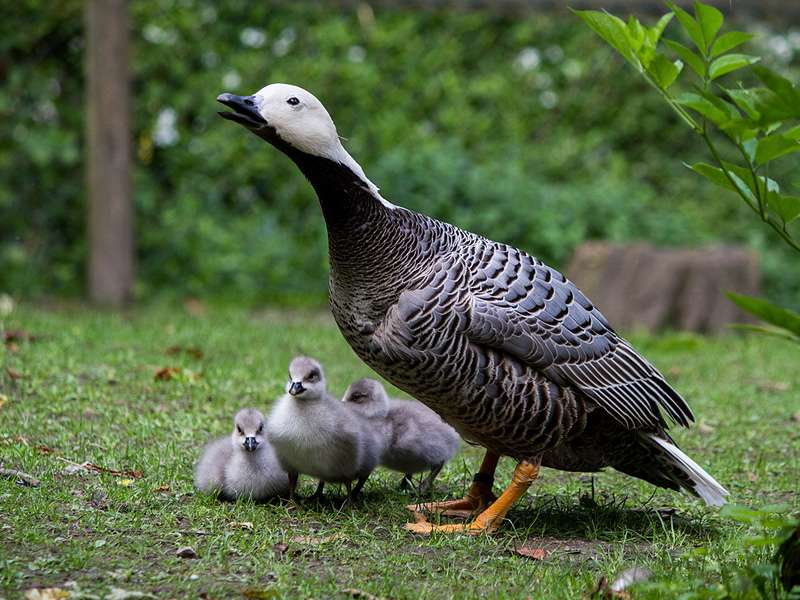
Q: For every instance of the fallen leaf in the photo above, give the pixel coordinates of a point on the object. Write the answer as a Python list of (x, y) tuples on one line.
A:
[(360, 594), (74, 468), (259, 594), (186, 552), (3, 400), (129, 474), (42, 449), (167, 373), (46, 594), (314, 540), (246, 525), (162, 488), (17, 335), (531, 552), (20, 477), (194, 307), (773, 386), (15, 375), (704, 428), (192, 351), (280, 549), (120, 594), (12, 347)]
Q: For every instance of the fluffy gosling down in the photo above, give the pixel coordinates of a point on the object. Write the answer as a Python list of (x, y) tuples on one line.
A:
[(315, 434), (418, 439), (242, 465)]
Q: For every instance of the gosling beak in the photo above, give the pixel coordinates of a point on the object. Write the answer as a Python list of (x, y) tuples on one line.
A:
[(245, 110), (250, 444), (296, 388)]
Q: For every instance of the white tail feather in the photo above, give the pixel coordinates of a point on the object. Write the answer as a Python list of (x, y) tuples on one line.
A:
[(706, 486)]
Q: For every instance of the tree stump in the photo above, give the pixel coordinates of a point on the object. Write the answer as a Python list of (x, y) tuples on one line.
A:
[(638, 286)]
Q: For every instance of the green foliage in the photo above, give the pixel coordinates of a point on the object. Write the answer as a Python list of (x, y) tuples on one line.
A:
[(469, 117), (759, 123)]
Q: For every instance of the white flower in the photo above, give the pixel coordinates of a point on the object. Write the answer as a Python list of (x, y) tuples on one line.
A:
[(284, 42), (548, 99), (6, 305), (528, 59), (356, 54), (554, 53), (231, 79), (166, 133), (252, 37)]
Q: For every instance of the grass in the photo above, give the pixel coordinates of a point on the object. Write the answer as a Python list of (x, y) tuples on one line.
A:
[(84, 391)]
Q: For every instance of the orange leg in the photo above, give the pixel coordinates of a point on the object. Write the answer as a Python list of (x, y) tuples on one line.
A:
[(489, 520), (478, 497)]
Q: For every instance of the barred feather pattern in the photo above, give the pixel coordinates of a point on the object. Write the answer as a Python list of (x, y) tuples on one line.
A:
[(505, 348)]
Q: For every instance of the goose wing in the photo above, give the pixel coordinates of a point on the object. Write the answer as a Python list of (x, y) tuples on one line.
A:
[(523, 307)]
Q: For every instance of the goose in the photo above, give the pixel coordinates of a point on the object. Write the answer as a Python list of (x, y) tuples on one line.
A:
[(242, 465), (418, 439), (313, 433), (504, 347)]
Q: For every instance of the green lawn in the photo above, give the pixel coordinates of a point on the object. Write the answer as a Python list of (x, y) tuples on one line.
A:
[(84, 391)]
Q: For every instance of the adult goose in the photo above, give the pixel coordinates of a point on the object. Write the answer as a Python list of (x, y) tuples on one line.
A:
[(503, 347)]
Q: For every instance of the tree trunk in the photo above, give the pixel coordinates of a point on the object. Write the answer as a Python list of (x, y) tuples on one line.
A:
[(111, 251)]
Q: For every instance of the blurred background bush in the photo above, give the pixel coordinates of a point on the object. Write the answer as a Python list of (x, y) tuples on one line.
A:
[(525, 128)]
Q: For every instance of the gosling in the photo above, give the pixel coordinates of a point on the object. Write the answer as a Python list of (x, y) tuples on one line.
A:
[(418, 439), (315, 434), (242, 465)]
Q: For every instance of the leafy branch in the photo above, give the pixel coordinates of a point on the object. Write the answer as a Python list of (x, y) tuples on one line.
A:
[(759, 123)]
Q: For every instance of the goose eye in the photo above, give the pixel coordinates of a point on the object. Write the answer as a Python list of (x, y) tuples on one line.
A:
[(293, 101), (260, 428), (239, 429)]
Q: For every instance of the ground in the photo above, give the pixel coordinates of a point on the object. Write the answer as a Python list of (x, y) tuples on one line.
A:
[(86, 389)]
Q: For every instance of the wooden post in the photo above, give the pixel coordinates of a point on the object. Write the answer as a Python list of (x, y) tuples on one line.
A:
[(110, 222)]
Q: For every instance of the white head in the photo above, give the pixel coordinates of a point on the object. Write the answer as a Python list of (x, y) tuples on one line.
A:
[(306, 379), (297, 118), (368, 397), (248, 429)]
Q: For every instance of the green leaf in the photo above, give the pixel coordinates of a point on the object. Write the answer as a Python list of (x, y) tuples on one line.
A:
[(636, 33), (612, 29), (664, 71), (714, 174), (710, 20), (703, 106), (778, 332), (774, 146), (688, 56), (787, 207), (763, 106), (650, 41), (729, 41), (730, 62), (745, 177), (689, 25), (767, 311), (781, 86), (793, 133), (746, 100), (659, 27)]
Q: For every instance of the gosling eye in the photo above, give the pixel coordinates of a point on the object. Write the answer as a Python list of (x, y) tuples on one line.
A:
[(293, 101), (239, 429), (260, 428)]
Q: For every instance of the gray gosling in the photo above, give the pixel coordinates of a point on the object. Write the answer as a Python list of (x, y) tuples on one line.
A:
[(418, 439), (243, 464), (315, 434)]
